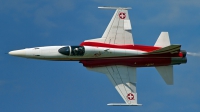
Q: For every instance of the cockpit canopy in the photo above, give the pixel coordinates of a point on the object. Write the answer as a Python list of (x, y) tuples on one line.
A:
[(72, 50)]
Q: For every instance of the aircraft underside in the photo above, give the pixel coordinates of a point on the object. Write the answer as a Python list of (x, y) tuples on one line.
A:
[(116, 55)]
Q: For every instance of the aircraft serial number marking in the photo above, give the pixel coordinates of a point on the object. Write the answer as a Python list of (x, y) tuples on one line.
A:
[(97, 54), (150, 64)]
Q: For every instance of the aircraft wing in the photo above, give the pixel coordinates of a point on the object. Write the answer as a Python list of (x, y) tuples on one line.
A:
[(124, 80), (119, 29)]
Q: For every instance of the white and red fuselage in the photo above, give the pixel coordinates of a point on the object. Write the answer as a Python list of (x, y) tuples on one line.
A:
[(116, 55), (94, 54)]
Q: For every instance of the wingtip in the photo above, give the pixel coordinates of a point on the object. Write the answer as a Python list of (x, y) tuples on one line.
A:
[(123, 104), (107, 7)]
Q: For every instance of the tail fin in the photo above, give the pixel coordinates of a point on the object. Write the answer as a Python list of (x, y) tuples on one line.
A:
[(167, 73), (163, 40)]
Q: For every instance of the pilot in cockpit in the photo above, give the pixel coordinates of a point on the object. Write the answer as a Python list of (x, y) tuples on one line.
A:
[(76, 51)]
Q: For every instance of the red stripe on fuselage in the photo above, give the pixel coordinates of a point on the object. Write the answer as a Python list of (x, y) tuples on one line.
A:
[(133, 47)]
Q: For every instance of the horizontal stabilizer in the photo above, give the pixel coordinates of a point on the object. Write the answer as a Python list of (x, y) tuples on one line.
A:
[(167, 74), (163, 40), (169, 49), (123, 104)]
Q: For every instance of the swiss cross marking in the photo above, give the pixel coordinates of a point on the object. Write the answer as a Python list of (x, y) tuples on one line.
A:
[(122, 15), (130, 96)]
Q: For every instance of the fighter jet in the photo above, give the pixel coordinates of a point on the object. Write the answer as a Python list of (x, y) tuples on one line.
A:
[(116, 55)]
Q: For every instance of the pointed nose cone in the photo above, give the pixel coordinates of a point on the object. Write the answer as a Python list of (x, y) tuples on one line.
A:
[(20, 53)]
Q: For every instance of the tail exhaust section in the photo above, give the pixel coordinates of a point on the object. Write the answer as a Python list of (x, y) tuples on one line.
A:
[(166, 72)]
